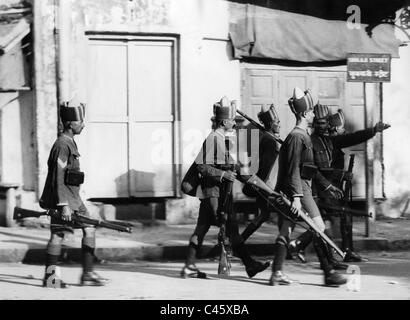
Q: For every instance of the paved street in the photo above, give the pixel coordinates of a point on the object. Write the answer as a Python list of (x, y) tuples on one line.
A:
[(386, 276)]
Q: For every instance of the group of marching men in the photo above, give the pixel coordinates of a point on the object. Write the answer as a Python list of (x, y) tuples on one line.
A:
[(307, 167), (310, 168)]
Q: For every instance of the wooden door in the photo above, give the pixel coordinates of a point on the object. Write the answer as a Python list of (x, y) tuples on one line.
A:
[(273, 84), (151, 118), (130, 134)]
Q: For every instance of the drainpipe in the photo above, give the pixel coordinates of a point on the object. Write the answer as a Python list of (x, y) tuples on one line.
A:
[(62, 40)]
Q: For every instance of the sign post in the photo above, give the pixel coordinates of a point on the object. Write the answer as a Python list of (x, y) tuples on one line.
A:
[(370, 69)]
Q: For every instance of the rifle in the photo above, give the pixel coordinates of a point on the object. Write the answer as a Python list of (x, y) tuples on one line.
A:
[(337, 210), (283, 205), (259, 126), (348, 184), (20, 213), (224, 266)]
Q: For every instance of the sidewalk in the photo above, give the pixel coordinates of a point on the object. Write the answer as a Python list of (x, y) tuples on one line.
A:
[(169, 242)]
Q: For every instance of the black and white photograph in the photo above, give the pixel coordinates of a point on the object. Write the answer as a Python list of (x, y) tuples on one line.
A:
[(204, 154)]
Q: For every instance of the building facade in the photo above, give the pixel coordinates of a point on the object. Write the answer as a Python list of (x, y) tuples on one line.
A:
[(150, 72)]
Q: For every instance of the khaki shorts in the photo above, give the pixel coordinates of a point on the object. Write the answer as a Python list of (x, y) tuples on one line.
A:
[(58, 225)]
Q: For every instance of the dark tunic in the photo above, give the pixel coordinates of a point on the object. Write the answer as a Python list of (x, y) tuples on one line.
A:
[(268, 152), (212, 161), (296, 151), (328, 154), (63, 155)]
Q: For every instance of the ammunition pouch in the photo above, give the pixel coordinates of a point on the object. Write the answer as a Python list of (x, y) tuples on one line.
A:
[(73, 177), (308, 171), (191, 181)]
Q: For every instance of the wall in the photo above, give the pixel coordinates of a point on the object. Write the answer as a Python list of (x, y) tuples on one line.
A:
[(45, 112), (17, 153), (207, 71), (17, 138), (396, 150)]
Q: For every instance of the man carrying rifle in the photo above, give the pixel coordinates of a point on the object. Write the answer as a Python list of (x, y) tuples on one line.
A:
[(216, 165), (62, 194), (329, 191), (268, 152), (329, 158), (296, 170)]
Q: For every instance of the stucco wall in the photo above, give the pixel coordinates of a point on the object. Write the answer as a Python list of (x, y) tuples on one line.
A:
[(17, 153), (207, 72), (45, 114), (396, 150)]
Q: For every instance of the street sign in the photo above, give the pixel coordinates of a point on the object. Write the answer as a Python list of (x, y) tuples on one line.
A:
[(368, 67)]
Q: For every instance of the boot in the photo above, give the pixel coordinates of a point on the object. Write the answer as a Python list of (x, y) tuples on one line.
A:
[(332, 260), (334, 279), (193, 272), (92, 278), (352, 256), (255, 267), (279, 278), (339, 265)]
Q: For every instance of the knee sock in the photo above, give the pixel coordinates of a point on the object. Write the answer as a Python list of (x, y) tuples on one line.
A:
[(238, 247), (87, 251), (329, 251), (281, 250), (52, 254), (191, 256), (305, 239), (321, 249)]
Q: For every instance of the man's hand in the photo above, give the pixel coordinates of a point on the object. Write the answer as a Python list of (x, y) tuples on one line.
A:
[(229, 175), (66, 213), (380, 126), (348, 176), (296, 204), (335, 192)]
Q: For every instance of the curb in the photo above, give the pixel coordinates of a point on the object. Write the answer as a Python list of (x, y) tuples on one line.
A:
[(36, 254)]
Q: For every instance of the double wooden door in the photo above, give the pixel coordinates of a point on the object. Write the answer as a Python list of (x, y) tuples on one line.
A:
[(266, 84), (129, 137)]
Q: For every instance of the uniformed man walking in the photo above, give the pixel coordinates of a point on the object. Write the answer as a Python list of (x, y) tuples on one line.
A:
[(217, 167), (61, 196), (268, 153), (329, 158), (296, 170)]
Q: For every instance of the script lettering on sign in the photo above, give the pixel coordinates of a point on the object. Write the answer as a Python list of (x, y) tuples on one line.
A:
[(368, 67)]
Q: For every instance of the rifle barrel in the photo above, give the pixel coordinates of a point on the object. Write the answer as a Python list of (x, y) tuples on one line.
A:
[(259, 126), (20, 213), (344, 209), (283, 207), (100, 223)]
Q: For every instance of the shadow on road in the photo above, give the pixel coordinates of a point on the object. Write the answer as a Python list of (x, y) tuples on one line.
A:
[(10, 234), (7, 278)]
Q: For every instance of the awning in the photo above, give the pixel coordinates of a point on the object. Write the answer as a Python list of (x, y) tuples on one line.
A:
[(14, 73), (262, 32)]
